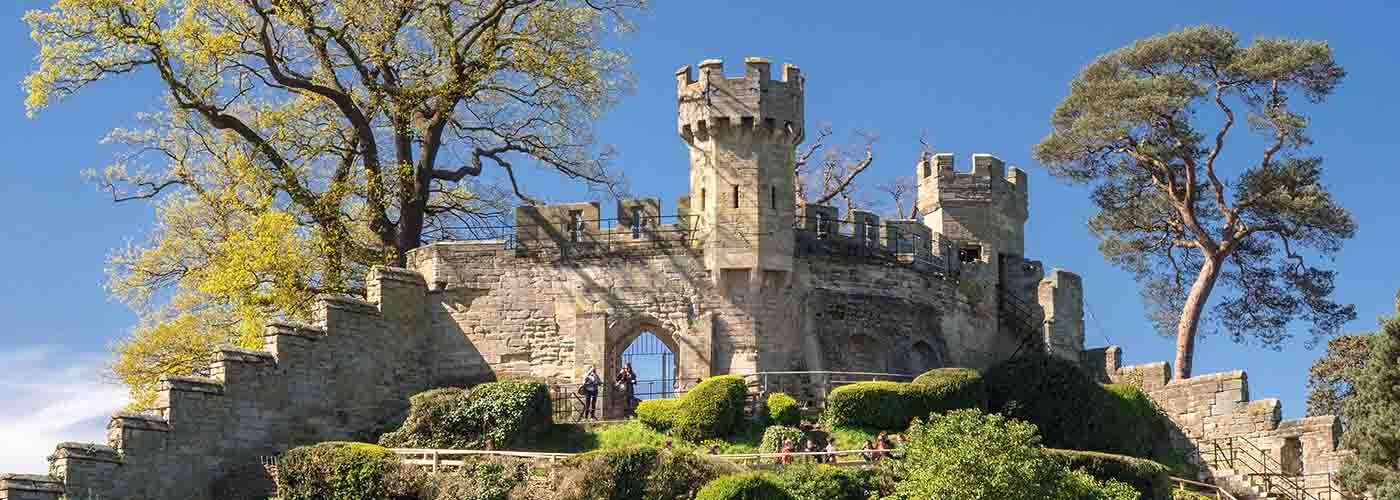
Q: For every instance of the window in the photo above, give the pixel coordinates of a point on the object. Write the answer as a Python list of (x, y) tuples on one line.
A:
[(821, 225), (773, 196), (702, 198), (636, 222), (576, 224), (736, 195), (970, 254)]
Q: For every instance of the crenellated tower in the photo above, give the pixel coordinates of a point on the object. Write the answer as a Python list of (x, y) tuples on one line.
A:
[(742, 133), (983, 212)]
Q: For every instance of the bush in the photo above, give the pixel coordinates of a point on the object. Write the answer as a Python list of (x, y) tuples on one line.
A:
[(1130, 420), (953, 389), (507, 412), (1147, 477), (659, 414), (1072, 410), (966, 454), (821, 482), (746, 486), (487, 479), (713, 408), (782, 410), (343, 471), (773, 438), (429, 423), (638, 473)]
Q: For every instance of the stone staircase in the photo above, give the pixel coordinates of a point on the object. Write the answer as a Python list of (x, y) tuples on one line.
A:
[(1241, 486)]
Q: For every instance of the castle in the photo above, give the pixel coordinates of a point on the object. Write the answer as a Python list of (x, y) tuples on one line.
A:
[(736, 279)]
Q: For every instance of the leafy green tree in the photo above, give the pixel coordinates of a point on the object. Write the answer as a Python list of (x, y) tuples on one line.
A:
[(1147, 125), (1329, 380), (1371, 414), (301, 141), (966, 454)]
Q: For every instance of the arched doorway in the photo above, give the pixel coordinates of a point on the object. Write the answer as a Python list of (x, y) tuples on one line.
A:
[(654, 362), (923, 357)]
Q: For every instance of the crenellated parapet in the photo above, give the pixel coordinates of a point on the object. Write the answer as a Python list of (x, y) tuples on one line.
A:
[(713, 103), (346, 377), (984, 209)]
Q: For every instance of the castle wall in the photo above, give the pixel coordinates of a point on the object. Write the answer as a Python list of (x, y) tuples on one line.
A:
[(1214, 408), (347, 377)]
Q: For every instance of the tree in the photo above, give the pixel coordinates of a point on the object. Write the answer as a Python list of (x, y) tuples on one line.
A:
[(1147, 126), (1329, 381), (833, 174), (302, 141), (1371, 413)]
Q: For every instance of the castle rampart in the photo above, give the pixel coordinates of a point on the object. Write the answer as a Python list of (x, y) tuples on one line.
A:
[(735, 282)]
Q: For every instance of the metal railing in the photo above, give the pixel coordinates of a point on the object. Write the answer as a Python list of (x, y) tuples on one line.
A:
[(579, 238), (811, 388), (889, 243), (1265, 472), (1019, 318), (568, 404), (1209, 490), (437, 460)]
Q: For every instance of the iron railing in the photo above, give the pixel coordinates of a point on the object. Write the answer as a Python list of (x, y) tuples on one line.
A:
[(1020, 319), (1266, 473), (890, 243), (811, 388), (1204, 489), (567, 403), (584, 237)]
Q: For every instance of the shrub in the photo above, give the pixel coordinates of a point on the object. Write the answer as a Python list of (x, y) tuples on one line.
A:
[(428, 424), (966, 454), (1147, 477), (821, 482), (506, 412), (782, 410), (1072, 410), (713, 408), (489, 479), (746, 486), (659, 414), (774, 436), (953, 389), (638, 473), (1130, 420), (343, 471)]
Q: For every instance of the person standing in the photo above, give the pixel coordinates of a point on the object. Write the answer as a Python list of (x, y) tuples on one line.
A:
[(830, 450), (589, 389), (627, 385), (811, 447)]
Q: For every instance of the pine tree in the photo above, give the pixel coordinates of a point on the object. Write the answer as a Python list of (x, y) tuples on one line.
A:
[(1372, 414)]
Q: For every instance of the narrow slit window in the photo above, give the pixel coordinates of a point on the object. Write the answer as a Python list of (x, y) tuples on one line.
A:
[(736, 195), (773, 196), (702, 198), (636, 222)]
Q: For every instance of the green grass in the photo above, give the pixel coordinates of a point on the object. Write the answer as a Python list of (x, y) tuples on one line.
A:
[(851, 438)]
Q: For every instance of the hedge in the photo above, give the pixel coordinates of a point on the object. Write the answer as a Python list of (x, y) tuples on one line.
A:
[(343, 471), (746, 486), (1071, 410), (506, 412), (782, 410), (773, 438), (1147, 477), (659, 414), (713, 408), (638, 472), (953, 389), (806, 481)]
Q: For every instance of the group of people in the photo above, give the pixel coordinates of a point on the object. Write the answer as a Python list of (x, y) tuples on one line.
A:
[(881, 447), (625, 383)]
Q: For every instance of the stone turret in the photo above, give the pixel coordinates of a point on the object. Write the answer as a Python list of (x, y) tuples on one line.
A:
[(983, 211), (742, 133)]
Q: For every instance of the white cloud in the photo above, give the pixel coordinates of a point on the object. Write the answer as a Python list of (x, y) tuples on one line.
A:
[(47, 397)]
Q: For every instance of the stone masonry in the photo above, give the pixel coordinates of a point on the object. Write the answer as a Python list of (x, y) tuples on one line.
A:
[(1213, 408), (735, 282)]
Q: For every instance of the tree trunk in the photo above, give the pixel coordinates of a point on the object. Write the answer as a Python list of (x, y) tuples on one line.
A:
[(1191, 316)]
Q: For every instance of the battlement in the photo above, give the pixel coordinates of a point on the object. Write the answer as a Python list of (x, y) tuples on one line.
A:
[(988, 174), (715, 103)]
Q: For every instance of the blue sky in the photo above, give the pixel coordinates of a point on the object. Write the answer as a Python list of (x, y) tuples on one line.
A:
[(979, 78)]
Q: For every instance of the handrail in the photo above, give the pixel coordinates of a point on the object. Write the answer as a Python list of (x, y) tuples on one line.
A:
[(435, 457), (1219, 493), (1257, 465)]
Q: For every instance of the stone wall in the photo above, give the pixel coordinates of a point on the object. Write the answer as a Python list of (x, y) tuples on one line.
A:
[(346, 377), (1213, 408)]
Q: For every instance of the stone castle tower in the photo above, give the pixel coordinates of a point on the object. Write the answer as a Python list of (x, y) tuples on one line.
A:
[(982, 212), (742, 133)]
